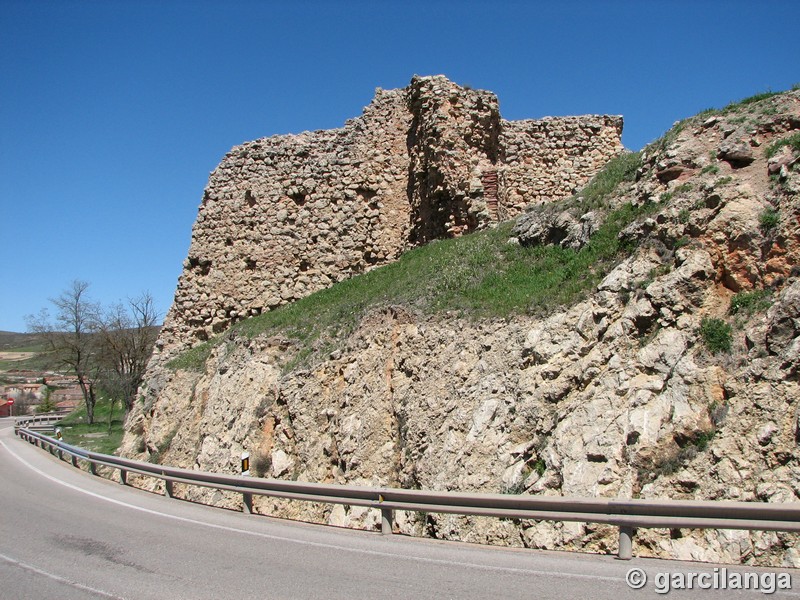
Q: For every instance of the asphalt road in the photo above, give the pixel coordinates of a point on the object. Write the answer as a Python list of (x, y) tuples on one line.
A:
[(68, 535)]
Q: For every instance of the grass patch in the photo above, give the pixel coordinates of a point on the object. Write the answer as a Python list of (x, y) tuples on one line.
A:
[(192, 360), (734, 106), (716, 335), (21, 342), (681, 242), (768, 219), (713, 169), (793, 141), (619, 169), (477, 275), (99, 436), (668, 138), (750, 302), (703, 438)]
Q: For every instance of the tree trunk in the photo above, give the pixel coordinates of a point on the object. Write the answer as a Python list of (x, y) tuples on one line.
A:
[(88, 398)]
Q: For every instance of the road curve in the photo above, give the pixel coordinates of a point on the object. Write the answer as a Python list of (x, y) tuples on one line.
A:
[(66, 534)]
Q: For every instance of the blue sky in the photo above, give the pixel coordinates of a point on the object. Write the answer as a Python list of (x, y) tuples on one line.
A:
[(113, 113)]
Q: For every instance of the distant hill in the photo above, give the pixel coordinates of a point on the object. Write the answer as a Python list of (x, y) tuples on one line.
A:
[(20, 341), (23, 342)]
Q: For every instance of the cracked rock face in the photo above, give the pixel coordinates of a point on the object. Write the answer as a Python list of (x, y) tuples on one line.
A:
[(562, 228), (618, 395)]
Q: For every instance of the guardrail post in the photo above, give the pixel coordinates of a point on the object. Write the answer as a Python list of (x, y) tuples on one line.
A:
[(123, 477), (247, 503), (625, 542), (74, 461), (92, 468), (168, 491), (387, 516)]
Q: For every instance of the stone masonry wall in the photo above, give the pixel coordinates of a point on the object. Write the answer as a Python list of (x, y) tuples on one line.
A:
[(549, 158), (288, 215)]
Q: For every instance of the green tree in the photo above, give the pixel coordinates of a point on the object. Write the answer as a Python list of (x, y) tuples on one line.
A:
[(47, 404)]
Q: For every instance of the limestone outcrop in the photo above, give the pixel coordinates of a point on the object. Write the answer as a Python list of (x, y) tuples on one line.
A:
[(622, 394)]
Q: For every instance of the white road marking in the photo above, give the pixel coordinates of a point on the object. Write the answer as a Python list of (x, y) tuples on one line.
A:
[(58, 578), (392, 555), (314, 544)]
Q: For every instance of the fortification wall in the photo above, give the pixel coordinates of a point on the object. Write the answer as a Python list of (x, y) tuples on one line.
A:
[(288, 215), (551, 158)]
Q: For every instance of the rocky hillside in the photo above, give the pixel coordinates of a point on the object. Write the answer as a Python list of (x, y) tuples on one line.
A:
[(660, 361)]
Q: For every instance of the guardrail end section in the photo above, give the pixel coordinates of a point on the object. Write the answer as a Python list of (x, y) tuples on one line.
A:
[(625, 542)]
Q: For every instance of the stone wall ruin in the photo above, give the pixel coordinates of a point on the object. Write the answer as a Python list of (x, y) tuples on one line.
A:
[(285, 216)]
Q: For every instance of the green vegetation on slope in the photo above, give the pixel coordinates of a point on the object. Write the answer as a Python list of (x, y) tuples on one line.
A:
[(39, 359), (477, 275), (100, 436), (793, 141), (19, 342), (716, 335), (750, 302), (619, 169)]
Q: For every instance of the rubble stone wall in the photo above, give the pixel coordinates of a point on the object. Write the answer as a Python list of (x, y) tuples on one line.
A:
[(288, 215), (550, 158)]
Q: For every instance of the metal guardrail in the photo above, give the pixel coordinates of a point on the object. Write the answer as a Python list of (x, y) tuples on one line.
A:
[(43, 422), (625, 514)]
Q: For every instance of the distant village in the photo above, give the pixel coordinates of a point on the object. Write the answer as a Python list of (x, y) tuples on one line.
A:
[(24, 391)]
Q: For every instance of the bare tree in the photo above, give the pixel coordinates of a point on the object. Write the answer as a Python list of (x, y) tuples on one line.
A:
[(70, 337), (127, 335), (105, 349), (22, 405)]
